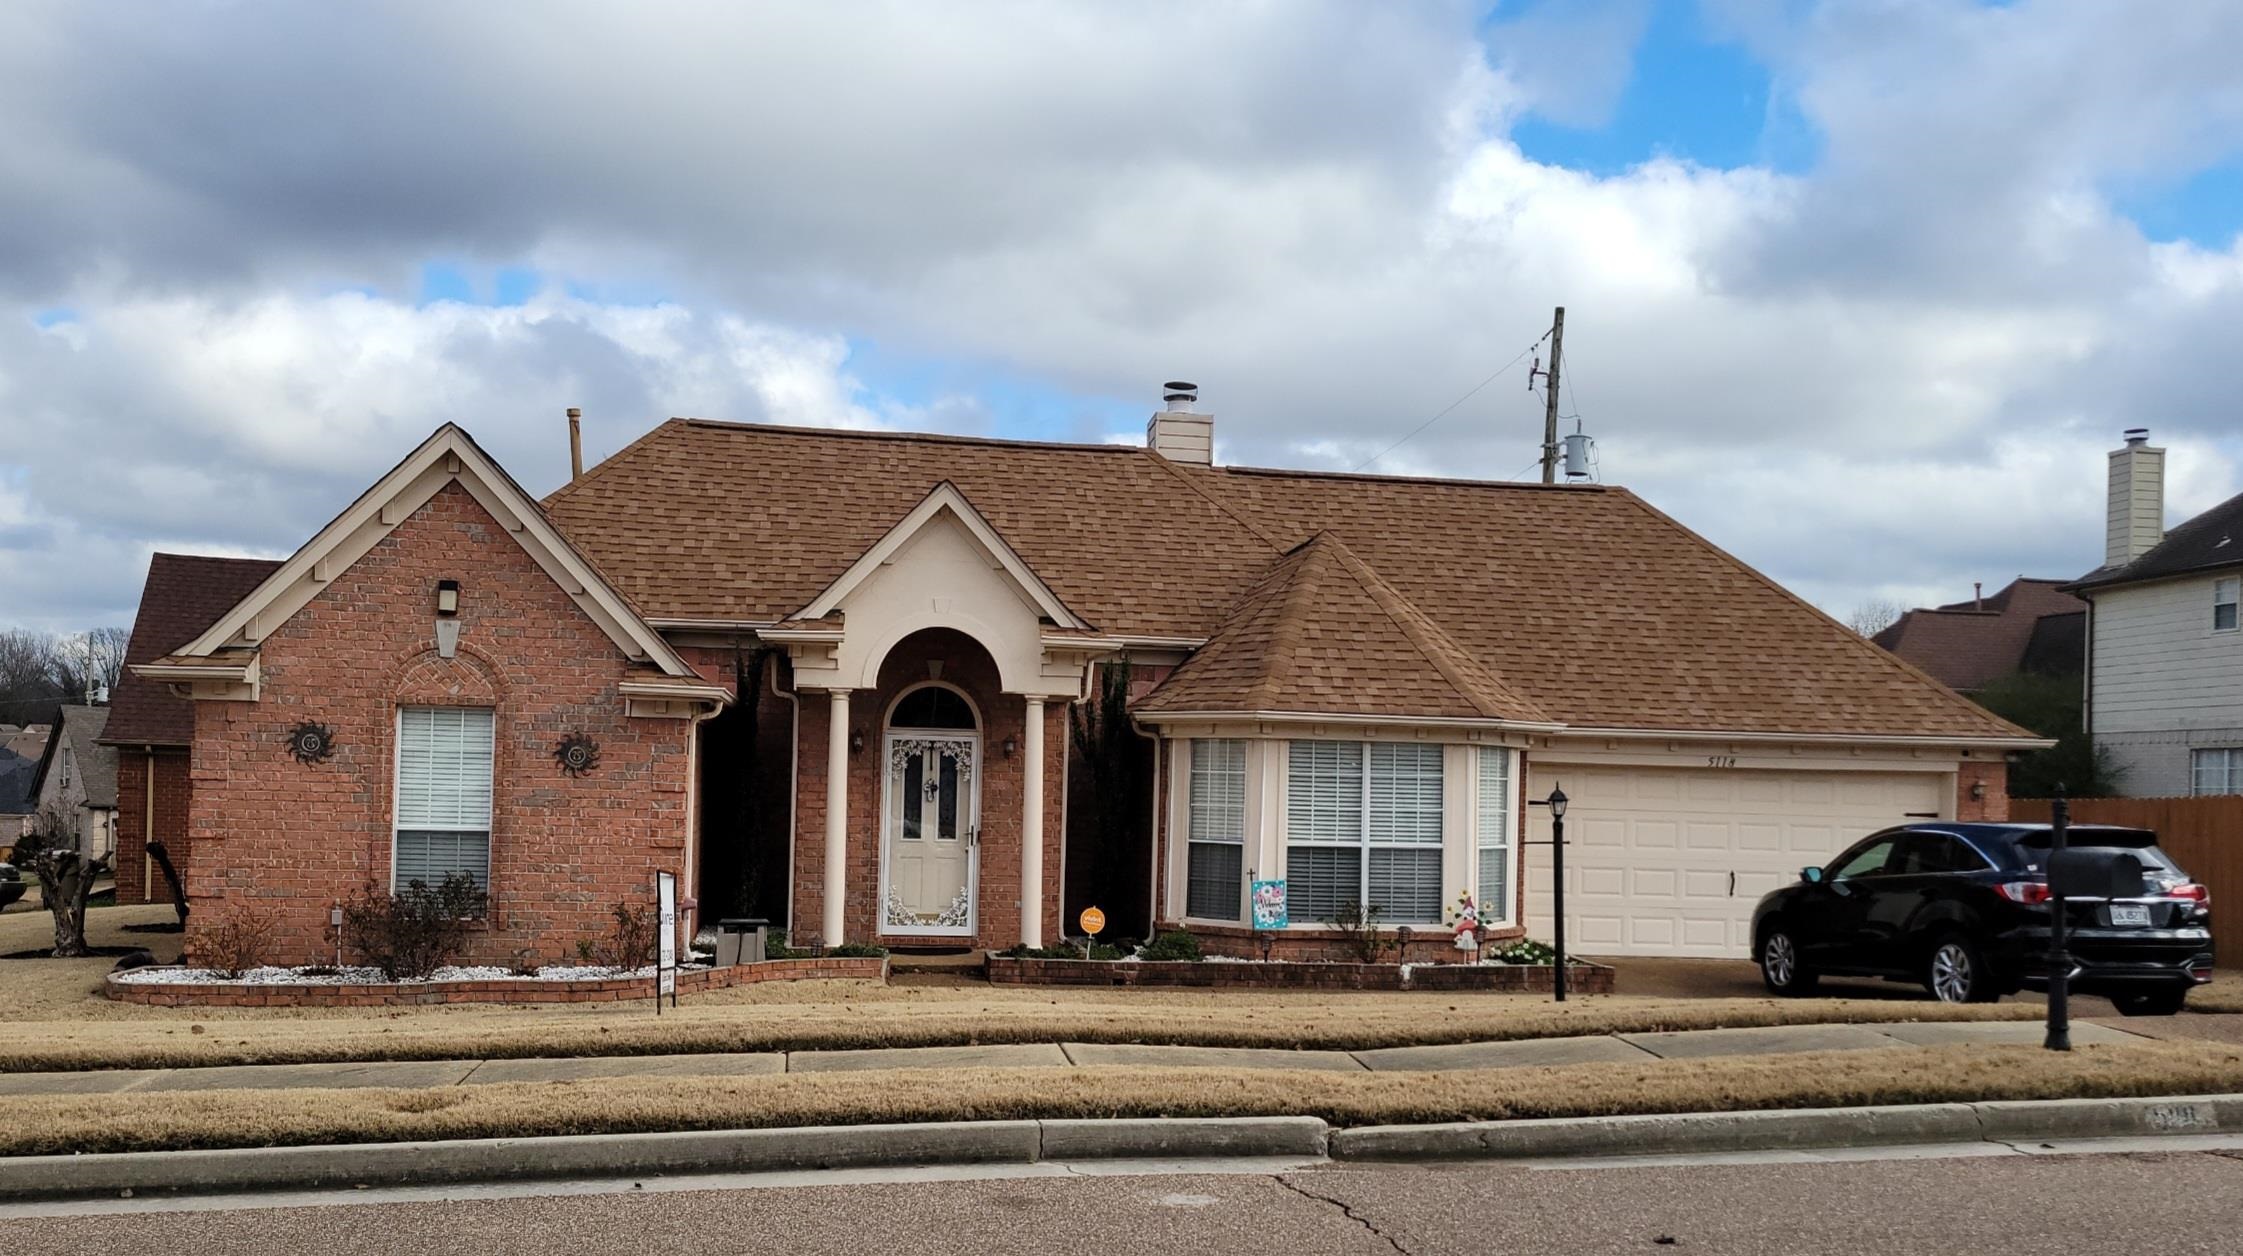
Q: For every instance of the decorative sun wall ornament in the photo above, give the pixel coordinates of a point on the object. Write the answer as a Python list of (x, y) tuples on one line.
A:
[(577, 754), (311, 742)]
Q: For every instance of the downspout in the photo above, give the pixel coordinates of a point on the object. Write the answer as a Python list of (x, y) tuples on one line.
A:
[(1152, 901), (794, 785)]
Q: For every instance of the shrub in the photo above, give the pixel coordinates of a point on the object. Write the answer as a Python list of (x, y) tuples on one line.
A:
[(586, 951), (1064, 950), (775, 946), (1175, 944), (1359, 929), (634, 940), (238, 941), (855, 950), (411, 933), (1524, 952)]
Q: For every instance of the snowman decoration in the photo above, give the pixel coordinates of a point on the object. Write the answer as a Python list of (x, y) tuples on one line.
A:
[(1468, 927)]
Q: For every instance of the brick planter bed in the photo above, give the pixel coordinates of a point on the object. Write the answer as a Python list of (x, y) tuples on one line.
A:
[(1283, 975), (503, 990)]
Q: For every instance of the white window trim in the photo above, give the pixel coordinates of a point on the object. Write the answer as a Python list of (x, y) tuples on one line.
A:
[(2233, 587), (397, 784), (1363, 842), (1245, 835), (2233, 768), (1510, 845)]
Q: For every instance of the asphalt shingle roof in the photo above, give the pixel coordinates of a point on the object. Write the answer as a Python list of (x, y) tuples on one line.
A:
[(185, 594), (1589, 604), (2210, 541)]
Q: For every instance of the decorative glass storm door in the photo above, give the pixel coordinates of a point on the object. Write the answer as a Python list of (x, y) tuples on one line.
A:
[(931, 834)]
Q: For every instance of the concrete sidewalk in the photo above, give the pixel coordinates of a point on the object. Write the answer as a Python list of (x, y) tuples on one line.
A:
[(1683, 1045)]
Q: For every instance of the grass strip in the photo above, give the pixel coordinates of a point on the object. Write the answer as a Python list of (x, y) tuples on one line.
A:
[(1341, 1024), (64, 1124)]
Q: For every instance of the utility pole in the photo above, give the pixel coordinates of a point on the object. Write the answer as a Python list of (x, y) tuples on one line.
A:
[(1550, 411)]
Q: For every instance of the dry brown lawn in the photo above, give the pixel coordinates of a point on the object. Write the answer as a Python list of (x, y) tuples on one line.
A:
[(52, 1016), (241, 1118)]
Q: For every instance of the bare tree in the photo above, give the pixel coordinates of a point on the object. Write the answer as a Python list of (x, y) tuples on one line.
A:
[(33, 676), (1874, 615), (104, 650), (50, 852)]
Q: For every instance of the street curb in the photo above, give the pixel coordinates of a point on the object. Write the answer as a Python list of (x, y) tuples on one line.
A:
[(1790, 1129), (635, 1155), (26, 1178)]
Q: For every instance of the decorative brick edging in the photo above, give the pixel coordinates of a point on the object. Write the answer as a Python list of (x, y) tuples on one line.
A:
[(1283, 975), (513, 990)]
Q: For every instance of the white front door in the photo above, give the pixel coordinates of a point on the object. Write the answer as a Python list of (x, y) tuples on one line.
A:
[(930, 831)]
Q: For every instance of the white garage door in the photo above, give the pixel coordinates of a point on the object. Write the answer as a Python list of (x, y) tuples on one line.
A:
[(1670, 861)]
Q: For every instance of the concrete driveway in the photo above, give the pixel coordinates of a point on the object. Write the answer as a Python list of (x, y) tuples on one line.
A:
[(1740, 979)]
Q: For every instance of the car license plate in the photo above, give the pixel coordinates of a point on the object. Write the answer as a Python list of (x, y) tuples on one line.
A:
[(2122, 916)]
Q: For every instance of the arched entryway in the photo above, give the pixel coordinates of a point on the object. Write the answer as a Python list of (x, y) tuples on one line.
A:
[(930, 809)]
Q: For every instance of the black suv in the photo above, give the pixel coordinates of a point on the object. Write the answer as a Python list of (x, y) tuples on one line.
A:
[(1963, 908)]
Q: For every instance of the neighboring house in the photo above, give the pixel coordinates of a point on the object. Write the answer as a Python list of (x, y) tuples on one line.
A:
[(149, 726), (21, 747), (79, 774), (2030, 626), (2165, 675), (1354, 683)]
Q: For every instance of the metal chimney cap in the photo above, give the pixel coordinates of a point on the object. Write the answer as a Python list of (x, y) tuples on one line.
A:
[(2137, 436), (1178, 385)]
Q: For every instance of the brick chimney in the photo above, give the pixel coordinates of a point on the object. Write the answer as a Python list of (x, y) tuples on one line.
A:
[(1178, 433), (2136, 520)]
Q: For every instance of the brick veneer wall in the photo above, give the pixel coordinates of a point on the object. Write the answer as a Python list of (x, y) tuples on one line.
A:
[(1993, 775), (137, 882), (293, 839), (1581, 978), (997, 905), (1429, 944), (518, 990)]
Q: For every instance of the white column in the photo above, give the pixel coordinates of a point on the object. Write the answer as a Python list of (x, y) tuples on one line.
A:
[(1032, 827), (837, 815)]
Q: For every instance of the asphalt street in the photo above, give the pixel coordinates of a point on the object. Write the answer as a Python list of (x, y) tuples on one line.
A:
[(2171, 1202)]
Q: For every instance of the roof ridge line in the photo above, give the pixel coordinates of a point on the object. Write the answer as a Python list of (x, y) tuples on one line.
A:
[(1285, 632)]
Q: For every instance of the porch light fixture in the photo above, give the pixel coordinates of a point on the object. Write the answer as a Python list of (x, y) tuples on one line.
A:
[(1978, 791), (447, 598), (1011, 744), (856, 741)]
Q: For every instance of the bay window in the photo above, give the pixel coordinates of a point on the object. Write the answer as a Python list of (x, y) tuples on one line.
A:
[(1363, 825), (443, 808), (1216, 855)]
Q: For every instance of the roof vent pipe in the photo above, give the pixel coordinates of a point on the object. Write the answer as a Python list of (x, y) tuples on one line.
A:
[(576, 444)]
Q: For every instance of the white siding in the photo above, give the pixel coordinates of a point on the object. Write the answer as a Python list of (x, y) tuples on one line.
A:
[(2163, 681)]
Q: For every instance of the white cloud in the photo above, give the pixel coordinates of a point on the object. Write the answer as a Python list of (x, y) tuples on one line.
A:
[(1896, 370)]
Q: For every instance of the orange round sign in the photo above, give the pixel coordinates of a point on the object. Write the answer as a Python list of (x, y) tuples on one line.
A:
[(1093, 921)]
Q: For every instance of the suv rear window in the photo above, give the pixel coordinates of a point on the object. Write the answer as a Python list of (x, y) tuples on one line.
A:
[(2141, 843)]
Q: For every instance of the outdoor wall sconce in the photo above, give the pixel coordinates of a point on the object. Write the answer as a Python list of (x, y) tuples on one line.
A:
[(447, 598), (856, 741), (1978, 791), (1011, 744)]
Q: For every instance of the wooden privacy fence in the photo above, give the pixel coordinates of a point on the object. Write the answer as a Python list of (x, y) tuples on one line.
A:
[(2203, 835)]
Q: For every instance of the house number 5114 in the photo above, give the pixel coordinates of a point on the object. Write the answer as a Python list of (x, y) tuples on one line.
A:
[(1721, 760)]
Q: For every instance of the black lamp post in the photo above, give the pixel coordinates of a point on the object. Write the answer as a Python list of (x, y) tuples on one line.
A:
[(1556, 803)]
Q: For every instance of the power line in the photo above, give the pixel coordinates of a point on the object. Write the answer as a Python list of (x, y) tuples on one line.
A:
[(1444, 411)]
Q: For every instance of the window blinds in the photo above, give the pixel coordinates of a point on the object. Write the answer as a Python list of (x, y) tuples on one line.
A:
[(1493, 893), (1213, 888), (443, 811), (1363, 824)]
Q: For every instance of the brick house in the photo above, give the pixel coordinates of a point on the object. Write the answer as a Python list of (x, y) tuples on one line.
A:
[(831, 678)]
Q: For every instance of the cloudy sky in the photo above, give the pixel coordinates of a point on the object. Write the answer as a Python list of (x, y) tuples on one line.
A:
[(1860, 289)]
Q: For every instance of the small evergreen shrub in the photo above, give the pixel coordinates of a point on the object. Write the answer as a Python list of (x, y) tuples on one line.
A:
[(1174, 945), (857, 950)]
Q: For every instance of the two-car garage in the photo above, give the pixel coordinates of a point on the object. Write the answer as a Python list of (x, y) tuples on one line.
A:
[(1668, 860)]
